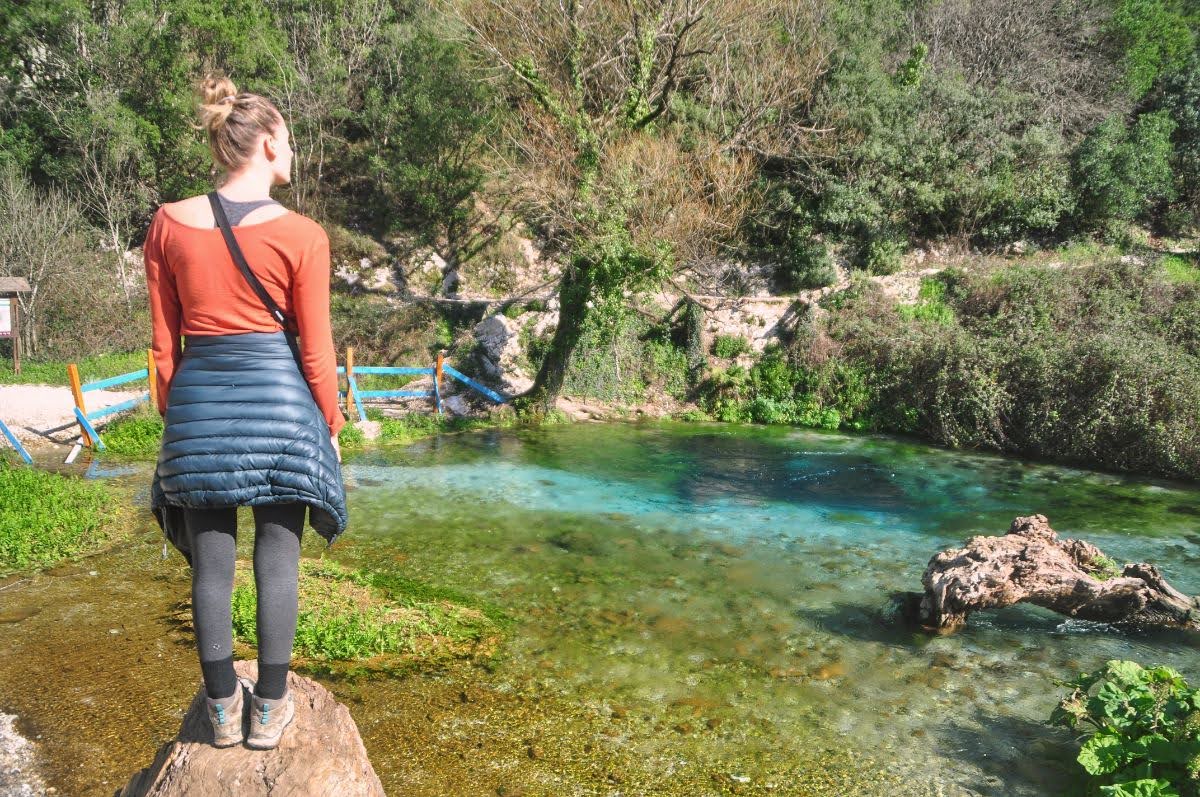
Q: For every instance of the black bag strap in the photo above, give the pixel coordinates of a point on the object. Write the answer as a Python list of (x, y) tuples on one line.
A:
[(240, 260)]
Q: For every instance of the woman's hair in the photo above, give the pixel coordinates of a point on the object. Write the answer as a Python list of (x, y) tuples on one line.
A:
[(234, 121)]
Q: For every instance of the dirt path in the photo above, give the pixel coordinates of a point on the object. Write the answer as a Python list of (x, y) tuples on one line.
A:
[(30, 411)]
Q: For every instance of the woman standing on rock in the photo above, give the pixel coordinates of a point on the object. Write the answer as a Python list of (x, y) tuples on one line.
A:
[(251, 415)]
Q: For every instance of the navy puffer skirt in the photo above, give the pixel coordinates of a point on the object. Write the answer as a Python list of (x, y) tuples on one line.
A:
[(242, 429)]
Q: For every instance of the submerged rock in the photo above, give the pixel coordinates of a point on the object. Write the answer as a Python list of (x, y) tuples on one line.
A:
[(321, 753), (18, 776)]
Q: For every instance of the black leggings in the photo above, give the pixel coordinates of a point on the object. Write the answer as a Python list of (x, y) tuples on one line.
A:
[(213, 533)]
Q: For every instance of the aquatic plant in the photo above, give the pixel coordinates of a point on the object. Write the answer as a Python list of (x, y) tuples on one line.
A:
[(347, 614), (46, 517), (1145, 740), (138, 434)]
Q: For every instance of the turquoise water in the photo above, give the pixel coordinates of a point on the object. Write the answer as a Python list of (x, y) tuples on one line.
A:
[(700, 611), (738, 573)]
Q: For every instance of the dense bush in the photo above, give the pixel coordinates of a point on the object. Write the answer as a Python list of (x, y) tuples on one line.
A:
[(625, 359), (1122, 172), (1095, 364)]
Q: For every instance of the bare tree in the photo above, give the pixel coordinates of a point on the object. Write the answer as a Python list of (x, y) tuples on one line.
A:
[(637, 124), (33, 228), (1050, 50)]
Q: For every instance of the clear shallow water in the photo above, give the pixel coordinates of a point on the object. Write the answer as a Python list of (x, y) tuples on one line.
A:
[(700, 611)]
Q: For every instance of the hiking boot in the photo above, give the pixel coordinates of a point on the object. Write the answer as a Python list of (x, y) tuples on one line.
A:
[(227, 721), (268, 718)]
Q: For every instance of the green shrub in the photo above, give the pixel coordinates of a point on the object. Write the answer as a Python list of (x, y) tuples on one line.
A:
[(46, 517), (351, 437), (804, 262), (1122, 172), (1180, 270), (729, 346), (1143, 729)]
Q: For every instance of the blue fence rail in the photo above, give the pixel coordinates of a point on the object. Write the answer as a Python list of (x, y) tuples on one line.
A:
[(12, 438), (353, 395)]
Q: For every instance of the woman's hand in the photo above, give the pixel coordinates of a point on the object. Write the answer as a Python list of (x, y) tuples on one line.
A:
[(337, 447)]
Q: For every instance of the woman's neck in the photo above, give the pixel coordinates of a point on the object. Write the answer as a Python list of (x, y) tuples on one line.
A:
[(246, 187)]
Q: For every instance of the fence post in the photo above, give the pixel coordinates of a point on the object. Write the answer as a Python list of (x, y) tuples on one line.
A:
[(152, 373), (349, 376), (77, 392)]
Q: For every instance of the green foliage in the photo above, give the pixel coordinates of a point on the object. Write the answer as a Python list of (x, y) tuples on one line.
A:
[(351, 437), (804, 262), (347, 614), (1121, 172), (1154, 38), (729, 346), (136, 434), (776, 391), (1181, 99), (1143, 728), (1181, 270), (416, 425), (931, 304), (1093, 364), (424, 116), (46, 517), (622, 359)]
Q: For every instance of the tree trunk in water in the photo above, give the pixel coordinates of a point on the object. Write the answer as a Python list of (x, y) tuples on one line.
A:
[(1031, 565), (540, 399)]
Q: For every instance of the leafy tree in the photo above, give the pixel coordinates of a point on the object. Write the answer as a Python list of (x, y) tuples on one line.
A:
[(1122, 171), (425, 120), (623, 189)]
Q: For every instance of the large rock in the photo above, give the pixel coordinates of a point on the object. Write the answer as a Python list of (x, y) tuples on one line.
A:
[(499, 339), (321, 753)]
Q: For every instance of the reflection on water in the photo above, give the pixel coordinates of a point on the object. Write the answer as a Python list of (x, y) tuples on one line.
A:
[(701, 611)]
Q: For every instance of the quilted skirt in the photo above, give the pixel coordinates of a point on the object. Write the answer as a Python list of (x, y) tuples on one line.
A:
[(242, 429)]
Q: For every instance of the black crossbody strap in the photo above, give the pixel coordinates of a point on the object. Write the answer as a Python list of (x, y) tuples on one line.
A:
[(240, 260)]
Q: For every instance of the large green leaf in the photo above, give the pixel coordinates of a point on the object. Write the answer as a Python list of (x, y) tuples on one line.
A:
[(1103, 754)]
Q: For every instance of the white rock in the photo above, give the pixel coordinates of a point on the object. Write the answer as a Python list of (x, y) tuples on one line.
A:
[(456, 405)]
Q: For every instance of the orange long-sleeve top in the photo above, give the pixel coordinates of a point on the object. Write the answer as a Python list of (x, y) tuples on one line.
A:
[(196, 289)]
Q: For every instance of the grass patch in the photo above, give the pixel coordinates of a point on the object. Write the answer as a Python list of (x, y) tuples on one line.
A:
[(46, 517), (1181, 270), (931, 304), (54, 372), (729, 346), (417, 425), (379, 621)]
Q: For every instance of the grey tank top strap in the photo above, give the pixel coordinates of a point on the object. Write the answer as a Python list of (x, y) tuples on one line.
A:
[(236, 211)]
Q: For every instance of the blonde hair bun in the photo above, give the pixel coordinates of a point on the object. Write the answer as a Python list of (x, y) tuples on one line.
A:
[(217, 97)]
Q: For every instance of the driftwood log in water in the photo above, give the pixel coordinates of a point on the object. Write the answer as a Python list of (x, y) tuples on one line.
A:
[(1031, 565)]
